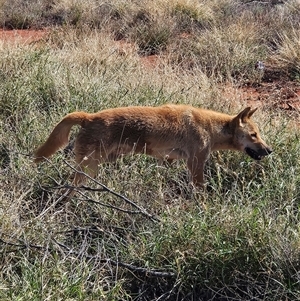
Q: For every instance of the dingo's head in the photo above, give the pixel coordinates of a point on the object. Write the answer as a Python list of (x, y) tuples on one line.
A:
[(246, 136)]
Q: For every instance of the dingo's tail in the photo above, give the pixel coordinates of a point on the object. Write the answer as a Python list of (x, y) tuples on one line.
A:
[(59, 136)]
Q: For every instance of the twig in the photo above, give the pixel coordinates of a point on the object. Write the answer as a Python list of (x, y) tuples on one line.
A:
[(146, 271), (117, 263), (22, 245), (128, 266), (261, 2), (102, 189), (52, 205), (78, 188), (106, 189), (118, 208)]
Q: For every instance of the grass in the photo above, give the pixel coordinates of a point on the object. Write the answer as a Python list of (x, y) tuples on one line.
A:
[(155, 238)]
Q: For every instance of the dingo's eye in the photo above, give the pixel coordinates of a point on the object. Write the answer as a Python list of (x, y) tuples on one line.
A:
[(253, 135)]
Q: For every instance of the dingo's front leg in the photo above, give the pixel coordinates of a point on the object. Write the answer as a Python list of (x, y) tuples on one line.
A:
[(196, 166)]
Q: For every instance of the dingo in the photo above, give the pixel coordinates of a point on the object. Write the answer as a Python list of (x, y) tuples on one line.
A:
[(165, 132)]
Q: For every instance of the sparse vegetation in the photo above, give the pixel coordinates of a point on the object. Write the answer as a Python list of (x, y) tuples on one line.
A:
[(148, 235)]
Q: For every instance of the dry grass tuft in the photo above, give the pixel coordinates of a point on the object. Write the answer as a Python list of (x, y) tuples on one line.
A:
[(288, 53)]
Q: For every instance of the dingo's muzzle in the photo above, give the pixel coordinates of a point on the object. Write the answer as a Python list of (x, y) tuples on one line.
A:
[(258, 155)]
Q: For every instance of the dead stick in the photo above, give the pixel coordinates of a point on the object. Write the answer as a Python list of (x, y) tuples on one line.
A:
[(131, 267), (105, 188)]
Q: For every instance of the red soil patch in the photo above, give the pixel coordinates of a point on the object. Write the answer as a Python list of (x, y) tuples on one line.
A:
[(124, 48), (150, 61), (278, 94), (24, 36), (276, 90)]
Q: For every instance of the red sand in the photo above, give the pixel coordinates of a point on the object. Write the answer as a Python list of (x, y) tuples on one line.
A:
[(24, 36)]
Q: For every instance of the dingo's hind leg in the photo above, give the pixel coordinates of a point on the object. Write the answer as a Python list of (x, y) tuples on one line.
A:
[(87, 165)]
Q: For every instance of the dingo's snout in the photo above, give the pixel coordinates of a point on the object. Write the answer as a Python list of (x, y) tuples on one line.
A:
[(258, 154)]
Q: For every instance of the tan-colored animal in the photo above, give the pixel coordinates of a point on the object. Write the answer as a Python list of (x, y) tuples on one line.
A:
[(165, 132)]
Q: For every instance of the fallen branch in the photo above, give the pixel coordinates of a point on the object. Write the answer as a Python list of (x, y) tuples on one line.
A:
[(104, 189), (117, 263), (131, 267), (115, 207)]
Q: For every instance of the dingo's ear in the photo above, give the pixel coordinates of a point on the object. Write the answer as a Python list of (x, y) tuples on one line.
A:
[(251, 112), (244, 115)]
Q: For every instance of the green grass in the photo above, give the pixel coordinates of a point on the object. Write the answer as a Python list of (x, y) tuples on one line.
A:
[(157, 238)]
